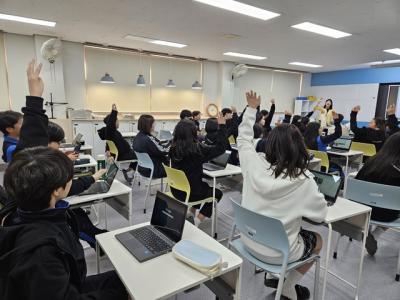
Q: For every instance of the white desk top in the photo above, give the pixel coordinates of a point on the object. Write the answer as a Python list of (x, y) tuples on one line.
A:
[(116, 189), (349, 153), (228, 171), (128, 134), (92, 163), (343, 209), (83, 148), (163, 276)]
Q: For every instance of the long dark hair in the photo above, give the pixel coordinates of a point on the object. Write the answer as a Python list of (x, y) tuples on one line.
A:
[(145, 123), (310, 135), (286, 151), (299, 123), (380, 123), (330, 100), (185, 141), (387, 157)]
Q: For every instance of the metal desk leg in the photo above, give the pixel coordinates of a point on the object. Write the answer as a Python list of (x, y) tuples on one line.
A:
[(97, 257), (238, 284), (366, 229), (328, 254), (105, 215), (130, 203), (213, 216)]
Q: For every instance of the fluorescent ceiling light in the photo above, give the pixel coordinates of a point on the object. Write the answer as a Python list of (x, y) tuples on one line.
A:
[(235, 54), (168, 44), (307, 26), (393, 51), (296, 63), (27, 20), (241, 8), (384, 62)]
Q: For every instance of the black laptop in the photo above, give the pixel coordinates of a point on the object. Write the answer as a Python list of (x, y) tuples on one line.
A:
[(329, 185), (218, 163), (103, 186), (341, 145), (158, 238)]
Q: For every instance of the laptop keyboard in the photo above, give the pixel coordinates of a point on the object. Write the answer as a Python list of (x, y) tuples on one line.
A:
[(150, 239)]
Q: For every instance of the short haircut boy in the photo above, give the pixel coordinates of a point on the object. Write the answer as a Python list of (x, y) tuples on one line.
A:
[(225, 111), (55, 132), (145, 123), (8, 119), (195, 113), (185, 114), (34, 174)]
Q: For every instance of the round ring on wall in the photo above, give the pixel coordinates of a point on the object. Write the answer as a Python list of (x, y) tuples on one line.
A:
[(212, 110)]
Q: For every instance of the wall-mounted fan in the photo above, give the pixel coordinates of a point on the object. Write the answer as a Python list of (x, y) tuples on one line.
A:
[(238, 71)]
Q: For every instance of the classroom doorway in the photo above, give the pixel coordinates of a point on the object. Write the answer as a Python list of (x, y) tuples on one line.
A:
[(388, 94)]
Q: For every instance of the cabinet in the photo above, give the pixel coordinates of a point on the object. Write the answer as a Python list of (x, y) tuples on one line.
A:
[(89, 131), (302, 106)]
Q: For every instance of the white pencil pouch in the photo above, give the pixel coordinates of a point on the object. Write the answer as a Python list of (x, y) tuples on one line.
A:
[(204, 260)]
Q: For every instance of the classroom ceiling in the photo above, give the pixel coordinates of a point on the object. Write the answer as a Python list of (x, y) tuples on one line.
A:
[(374, 24)]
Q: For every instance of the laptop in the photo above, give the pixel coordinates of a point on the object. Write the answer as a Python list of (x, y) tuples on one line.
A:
[(75, 142), (165, 135), (341, 145), (218, 163), (165, 229), (103, 186), (329, 185)]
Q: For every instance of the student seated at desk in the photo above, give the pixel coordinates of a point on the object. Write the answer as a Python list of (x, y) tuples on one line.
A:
[(211, 129), (277, 184), (196, 116), (10, 126), (41, 256), (392, 123), (232, 121), (373, 134), (299, 121), (188, 154), (145, 142), (383, 168), (111, 133), (185, 114)]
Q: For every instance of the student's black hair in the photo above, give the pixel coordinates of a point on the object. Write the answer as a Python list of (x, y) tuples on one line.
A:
[(34, 174), (310, 135), (8, 119), (259, 117), (145, 123), (185, 141), (185, 113), (331, 101), (258, 131), (211, 125), (264, 112), (380, 123), (55, 132), (298, 122), (195, 113), (386, 158), (286, 151), (225, 111)]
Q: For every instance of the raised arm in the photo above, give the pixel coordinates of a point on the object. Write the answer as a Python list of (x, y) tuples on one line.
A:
[(353, 122), (111, 123), (392, 120), (268, 119)]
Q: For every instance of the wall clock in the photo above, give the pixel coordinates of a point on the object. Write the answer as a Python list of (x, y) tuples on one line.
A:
[(212, 110)]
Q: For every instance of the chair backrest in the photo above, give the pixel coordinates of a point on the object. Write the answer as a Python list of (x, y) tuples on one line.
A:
[(112, 148), (178, 180), (165, 135), (367, 149), (144, 160), (374, 194), (323, 156), (231, 139), (261, 229)]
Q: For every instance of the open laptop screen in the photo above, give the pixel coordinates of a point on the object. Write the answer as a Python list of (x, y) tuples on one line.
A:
[(341, 143), (111, 173), (169, 216), (222, 160), (328, 184)]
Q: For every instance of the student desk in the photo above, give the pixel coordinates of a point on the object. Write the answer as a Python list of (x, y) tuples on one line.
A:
[(91, 164), (128, 134), (117, 190), (315, 164), (346, 217), (165, 276), (230, 170)]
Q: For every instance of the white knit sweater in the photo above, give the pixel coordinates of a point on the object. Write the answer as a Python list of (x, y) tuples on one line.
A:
[(288, 200)]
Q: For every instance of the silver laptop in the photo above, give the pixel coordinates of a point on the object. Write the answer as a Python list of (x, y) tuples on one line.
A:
[(165, 229), (329, 185), (341, 145), (218, 163), (103, 186)]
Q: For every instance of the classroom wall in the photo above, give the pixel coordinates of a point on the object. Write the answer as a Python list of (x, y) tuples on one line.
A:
[(4, 99)]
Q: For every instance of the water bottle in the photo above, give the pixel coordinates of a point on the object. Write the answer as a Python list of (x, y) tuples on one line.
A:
[(101, 161)]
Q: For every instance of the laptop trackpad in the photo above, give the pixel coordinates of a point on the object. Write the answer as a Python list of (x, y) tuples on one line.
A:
[(135, 247)]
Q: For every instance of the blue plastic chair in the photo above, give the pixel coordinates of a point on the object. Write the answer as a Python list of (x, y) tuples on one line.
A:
[(377, 195), (144, 161), (271, 233)]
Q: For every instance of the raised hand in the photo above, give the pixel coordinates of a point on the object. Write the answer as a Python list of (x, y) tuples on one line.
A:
[(272, 101), (234, 110), (252, 99), (35, 83), (220, 119), (288, 113), (391, 110), (356, 108), (114, 106)]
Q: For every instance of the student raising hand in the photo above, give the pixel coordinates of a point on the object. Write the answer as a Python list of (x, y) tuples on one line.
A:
[(391, 110), (114, 107), (252, 99), (356, 108), (35, 83)]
